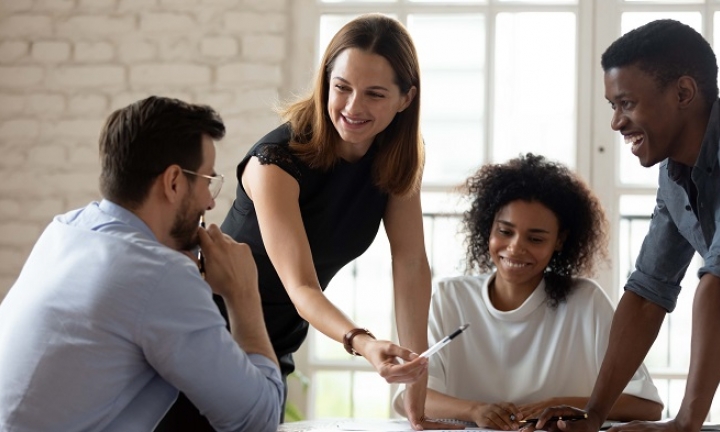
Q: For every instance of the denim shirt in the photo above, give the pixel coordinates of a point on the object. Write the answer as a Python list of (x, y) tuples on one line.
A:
[(676, 232)]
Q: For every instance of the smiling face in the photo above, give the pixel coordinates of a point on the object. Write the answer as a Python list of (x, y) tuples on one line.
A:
[(523, 239), (363, 99), (647, 116)]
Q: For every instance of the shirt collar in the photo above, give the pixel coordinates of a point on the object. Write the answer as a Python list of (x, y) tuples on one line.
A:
[(126, 216), (707, 158)]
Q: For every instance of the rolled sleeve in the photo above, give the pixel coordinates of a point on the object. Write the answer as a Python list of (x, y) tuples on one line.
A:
[(662, 261), (712, 266)]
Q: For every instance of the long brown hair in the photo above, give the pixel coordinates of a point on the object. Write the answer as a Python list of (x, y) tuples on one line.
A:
[(399, 163)]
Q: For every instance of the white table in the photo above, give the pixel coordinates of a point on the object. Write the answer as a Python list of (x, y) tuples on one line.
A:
[(327, 425)]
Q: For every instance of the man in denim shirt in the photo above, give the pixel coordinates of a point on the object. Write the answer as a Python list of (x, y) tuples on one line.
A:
[(661, 82)]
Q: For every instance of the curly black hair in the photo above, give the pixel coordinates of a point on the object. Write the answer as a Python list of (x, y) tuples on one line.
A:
[(533, 178), (667, 49)]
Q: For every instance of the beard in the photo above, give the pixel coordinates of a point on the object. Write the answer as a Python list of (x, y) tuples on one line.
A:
[(185, 226)]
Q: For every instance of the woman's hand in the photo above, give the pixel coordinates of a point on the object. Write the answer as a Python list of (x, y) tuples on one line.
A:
[(385, 355), (533, 410), (499, 416)]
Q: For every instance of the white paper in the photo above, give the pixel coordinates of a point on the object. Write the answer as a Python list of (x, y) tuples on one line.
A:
[(386, 426)]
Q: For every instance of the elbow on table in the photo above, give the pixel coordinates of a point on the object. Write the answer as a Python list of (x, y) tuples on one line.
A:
[(263, 416), (655, 411)]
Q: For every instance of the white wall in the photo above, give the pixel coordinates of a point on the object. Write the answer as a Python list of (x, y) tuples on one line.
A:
[(65, 65)]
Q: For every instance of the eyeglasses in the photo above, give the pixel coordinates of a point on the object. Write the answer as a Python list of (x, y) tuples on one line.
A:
[(216, 181)]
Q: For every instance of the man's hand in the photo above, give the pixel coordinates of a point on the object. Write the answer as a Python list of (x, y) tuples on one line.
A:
[(229, 265), (230, 271), (545, 422)]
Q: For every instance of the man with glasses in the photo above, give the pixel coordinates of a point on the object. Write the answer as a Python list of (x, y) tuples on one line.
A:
[(661, 83), (110, 316)]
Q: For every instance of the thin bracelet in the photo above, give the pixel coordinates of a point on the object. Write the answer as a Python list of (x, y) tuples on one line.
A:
[(349, 336)]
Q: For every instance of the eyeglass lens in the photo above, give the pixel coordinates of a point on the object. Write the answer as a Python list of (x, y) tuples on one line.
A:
[(215, 186)]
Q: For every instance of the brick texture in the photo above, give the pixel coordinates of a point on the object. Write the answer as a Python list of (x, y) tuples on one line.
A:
[(65, 65)]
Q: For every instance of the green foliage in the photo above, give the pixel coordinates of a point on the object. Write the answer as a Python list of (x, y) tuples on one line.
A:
[(292, 412)]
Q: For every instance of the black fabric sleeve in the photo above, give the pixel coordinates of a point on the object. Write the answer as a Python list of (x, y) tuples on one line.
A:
[(277, 154)]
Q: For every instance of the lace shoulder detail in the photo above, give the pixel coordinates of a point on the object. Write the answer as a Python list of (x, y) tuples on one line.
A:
[(276, 154)]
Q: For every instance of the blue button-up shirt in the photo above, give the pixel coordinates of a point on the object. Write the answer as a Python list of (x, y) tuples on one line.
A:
[(676, 231), (105, 324)]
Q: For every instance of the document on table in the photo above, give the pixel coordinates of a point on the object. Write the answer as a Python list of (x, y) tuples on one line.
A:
[(394, 425)]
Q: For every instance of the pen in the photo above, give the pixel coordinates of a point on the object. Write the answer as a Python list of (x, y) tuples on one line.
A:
[(444, 341), (201, 257), (556, 418)]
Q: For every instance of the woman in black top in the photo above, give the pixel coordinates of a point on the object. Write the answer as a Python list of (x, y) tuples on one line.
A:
[(312, 193)]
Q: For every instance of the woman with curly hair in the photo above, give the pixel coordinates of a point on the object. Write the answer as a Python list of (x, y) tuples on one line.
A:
[(538, 331)]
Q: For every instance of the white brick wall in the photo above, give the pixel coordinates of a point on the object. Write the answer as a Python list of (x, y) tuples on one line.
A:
[(66, 64)]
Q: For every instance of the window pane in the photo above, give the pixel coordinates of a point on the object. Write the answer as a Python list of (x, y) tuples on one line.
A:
[(444, 242), (535, 89), (341, 292), (631, 172), (453, 150), (331, 393), (371, 396), (671, 392), (631, 20), (635, 213), (363, 290), (373, 299), (359, 1), (539, 1), (453, 93), (665, 1), (443, 232), (449, 1)]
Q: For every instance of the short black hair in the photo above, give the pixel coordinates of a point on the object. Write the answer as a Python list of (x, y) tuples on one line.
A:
[(667, 50), (139, 142), (533, 178)]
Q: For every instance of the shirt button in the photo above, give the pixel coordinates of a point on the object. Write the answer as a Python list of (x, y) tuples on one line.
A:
[(687, 207)]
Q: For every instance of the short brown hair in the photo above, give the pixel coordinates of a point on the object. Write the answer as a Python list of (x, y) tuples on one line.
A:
[(140, 141), (399, 164)]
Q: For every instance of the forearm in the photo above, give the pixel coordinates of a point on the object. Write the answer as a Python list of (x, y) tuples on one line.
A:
[(412, 303), (704, 375), (628, 408), (633, 331), (441, 406), (321, 313), (246, 317)]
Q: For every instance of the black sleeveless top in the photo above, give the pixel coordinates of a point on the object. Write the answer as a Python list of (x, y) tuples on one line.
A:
[(341, 210)]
